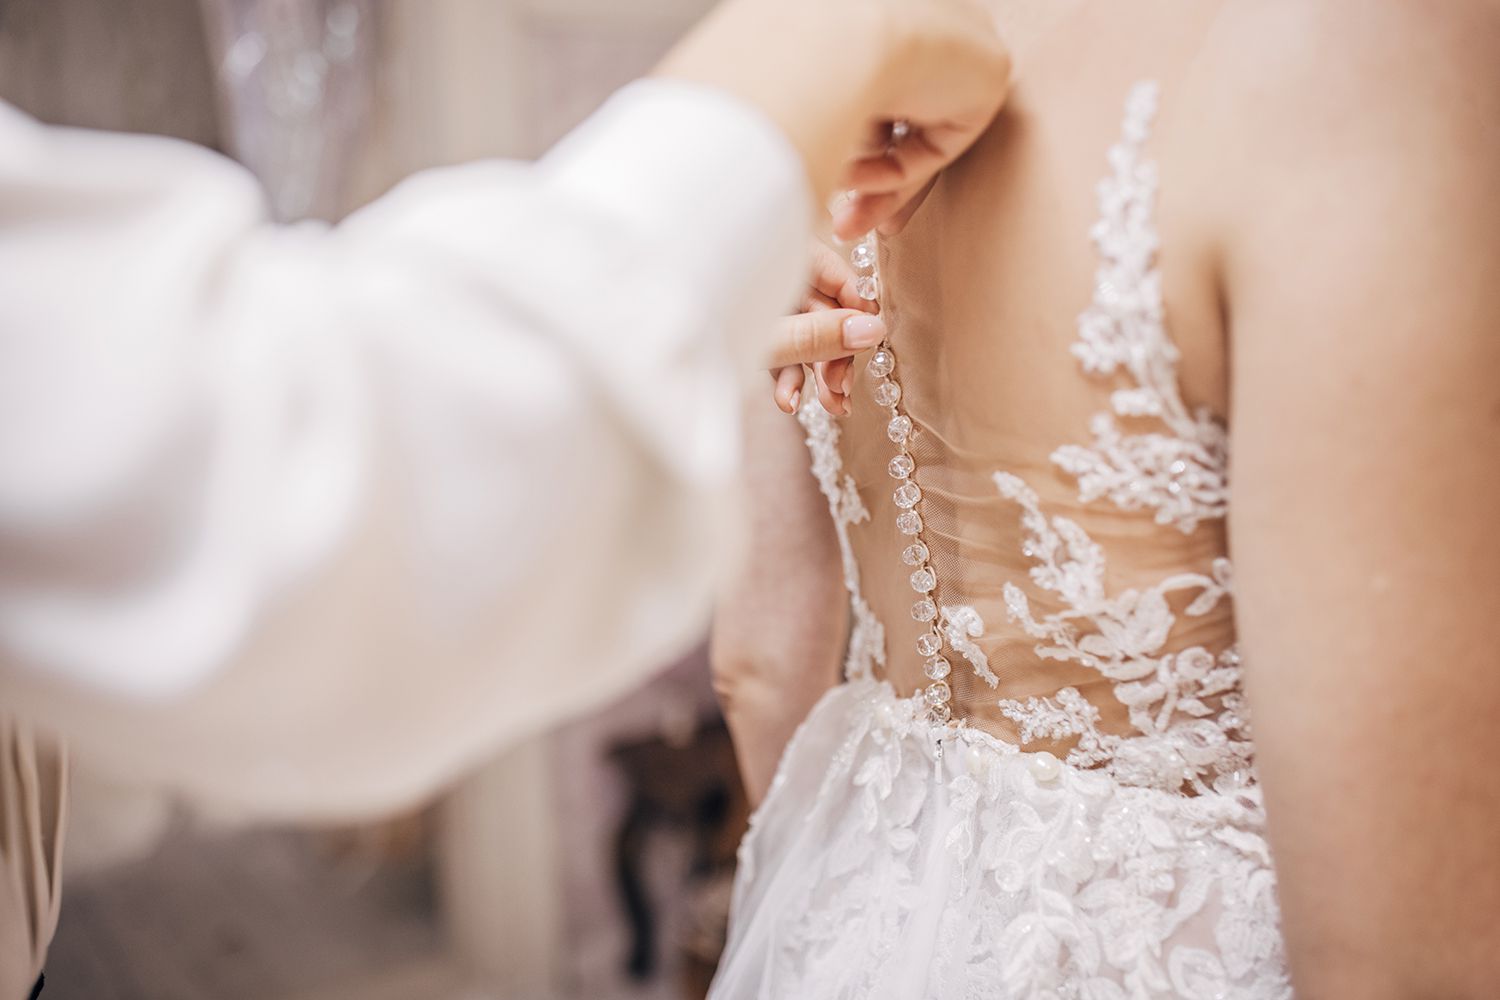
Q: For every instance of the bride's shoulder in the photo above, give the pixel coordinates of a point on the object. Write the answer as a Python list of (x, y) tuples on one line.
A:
[(1281, 69), (1352, 147), (1337, 115)]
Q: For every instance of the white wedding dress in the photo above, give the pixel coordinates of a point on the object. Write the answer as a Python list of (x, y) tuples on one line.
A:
[(1037, 780)]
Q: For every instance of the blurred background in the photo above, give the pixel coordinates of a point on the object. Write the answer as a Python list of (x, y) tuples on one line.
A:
[(591, 863)]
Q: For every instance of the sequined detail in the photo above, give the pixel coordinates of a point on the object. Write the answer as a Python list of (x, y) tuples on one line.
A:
[(1181, 475), (866, 651), (1185, 707)]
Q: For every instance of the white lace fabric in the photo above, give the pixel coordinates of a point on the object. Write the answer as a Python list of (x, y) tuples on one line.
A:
[(1073, 507), (875, 871)]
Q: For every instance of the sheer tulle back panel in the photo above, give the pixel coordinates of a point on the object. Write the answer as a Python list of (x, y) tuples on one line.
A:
[(1090, 579)]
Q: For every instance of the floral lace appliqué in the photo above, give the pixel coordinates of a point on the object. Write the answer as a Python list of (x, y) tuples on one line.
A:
[(1185, 706), (867, 634), (991, 882), (961, 626), (1181, 472)]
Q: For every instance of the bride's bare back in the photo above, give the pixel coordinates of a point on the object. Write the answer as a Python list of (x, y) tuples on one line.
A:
[(1022, 295), (1294, 260)]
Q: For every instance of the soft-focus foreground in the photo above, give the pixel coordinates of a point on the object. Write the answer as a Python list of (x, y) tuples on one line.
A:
[(629, 859)]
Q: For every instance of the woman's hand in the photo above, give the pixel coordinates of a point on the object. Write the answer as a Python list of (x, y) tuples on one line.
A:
[(877, 95), (832, 326)]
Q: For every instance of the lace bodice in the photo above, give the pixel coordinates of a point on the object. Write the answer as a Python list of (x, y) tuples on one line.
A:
[(1036, 783), (1072, 597)]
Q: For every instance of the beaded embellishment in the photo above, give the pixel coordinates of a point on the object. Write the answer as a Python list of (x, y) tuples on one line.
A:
[(907, 495)]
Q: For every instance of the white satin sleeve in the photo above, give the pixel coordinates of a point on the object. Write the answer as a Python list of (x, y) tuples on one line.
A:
[(306, 519)]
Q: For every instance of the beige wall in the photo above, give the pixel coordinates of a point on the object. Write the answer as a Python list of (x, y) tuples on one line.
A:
[(466, 79), (134, 65)]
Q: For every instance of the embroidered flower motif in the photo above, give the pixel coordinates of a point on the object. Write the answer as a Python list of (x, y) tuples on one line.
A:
[(1182, 739), (1181, 475), (1184, 706), (961, 626), (1076, 887), (867, 634)]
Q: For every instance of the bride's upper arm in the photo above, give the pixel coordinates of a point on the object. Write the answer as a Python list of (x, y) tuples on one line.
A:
[(1362, 281), (781, 624)]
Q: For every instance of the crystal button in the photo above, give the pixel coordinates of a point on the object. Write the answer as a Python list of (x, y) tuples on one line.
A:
[(937, 693), (899, 429), (914, 554), (907, 495), (924, 610), (922, 581), (928, 643), (882, 363), (908, 523), (888, 394), (937, 668), (901, 466)]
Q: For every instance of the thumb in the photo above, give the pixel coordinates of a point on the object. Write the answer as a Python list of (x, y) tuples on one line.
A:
[(823, 335)]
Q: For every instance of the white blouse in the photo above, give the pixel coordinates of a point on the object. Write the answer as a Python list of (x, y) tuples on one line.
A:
[(306, 519)]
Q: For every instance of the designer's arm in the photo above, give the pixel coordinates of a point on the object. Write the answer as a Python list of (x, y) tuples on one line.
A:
[(345, 510), (307, 519)]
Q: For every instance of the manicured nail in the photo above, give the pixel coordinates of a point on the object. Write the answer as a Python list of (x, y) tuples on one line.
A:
[(863, 331)]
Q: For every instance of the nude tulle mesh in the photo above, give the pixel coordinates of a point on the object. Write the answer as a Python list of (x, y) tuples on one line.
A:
[(1072, 502)]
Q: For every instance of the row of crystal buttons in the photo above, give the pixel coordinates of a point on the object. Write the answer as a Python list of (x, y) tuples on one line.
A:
[(907, 495)]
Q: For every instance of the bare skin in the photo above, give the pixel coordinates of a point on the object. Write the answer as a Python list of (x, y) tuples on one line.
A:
[(845, 72), (1366, 411), (778, 634), (1331, 261)]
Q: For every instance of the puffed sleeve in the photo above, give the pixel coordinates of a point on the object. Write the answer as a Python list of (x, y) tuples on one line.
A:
[(306, 519)]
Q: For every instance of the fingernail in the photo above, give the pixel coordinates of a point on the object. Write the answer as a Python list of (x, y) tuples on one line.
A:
[(863, 331)]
